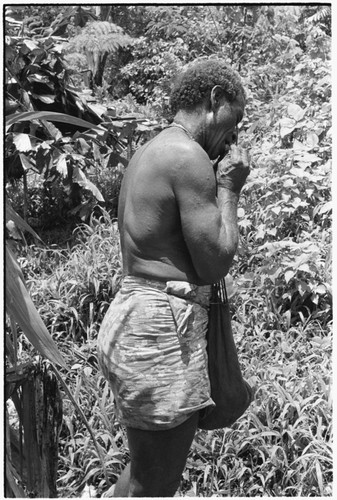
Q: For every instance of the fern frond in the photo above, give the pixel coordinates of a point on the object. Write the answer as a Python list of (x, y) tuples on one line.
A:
[(101, 37), (106, 43), (100, 28), (323, 14)]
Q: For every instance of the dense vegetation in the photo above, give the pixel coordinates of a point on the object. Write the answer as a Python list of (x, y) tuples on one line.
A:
[(111, 66)]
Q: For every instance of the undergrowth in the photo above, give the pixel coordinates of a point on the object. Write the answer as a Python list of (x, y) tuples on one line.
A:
[(280, 447)]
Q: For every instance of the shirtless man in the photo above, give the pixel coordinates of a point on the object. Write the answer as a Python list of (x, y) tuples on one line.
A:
[(178, 229)]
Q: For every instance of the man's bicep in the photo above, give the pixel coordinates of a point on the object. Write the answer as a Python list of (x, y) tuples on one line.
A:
[(208, 224), (199, 213)]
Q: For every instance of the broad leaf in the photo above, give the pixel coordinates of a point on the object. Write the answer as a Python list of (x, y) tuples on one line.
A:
[(52, 130), (304, 267), (288, 275), (321, 289), (81, 179), (299, 146), (325, 208), (311, 140), (22, 142), (84, 146), (295, 111), (47, 99), (61, 165), (304, 157), (287, 125), (30, 44), (36, 77), (115, 158), (25, 162), (20, 306)]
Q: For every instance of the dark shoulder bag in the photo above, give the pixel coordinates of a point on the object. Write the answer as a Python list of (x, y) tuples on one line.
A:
[(230, 392)]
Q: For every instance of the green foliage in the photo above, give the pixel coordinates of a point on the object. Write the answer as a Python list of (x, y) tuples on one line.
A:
[(37, 80), (153, 77), (57, 163), (281, 279), (57, 157), (56, 20), (96, 40), (72, 289), (281, 444), (195, 24), (99, 36), (174, 36), (133, 18), (286, 206), (20, 307), (79, 460)]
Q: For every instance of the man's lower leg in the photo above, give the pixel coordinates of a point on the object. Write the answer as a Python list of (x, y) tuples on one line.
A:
[(123, 483)]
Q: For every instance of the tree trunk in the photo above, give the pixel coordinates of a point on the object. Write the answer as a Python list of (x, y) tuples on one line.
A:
[(33, 455), (105, 12), (98, 78)]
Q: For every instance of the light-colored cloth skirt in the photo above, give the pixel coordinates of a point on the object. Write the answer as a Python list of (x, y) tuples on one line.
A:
[(152, 349)]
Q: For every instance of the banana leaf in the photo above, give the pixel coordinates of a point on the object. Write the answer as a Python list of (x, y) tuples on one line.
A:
[(21, 307)]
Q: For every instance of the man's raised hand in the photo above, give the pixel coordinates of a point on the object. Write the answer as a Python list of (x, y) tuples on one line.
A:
[(233, 171)]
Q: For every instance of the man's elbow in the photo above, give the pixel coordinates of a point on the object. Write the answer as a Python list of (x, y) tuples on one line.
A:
[(215, 270)]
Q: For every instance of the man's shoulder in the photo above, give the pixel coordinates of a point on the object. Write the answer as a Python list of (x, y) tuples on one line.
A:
[(170, 157), (182, 154), (173, 145)]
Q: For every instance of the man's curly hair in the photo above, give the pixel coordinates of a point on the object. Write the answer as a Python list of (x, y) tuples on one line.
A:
[(197, 81)]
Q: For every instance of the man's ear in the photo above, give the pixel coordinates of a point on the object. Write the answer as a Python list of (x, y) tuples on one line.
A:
[(216, 94)]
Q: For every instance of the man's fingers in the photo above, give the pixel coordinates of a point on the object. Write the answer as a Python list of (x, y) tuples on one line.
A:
[(234, 154), (238, 155), (245, 157)]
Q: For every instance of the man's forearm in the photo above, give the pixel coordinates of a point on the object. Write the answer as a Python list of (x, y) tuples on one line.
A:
[(228, 205)]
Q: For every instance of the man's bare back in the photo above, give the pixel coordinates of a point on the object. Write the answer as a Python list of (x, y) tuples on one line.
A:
[(152, 239)]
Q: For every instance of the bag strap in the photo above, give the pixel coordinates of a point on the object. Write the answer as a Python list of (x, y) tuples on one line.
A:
[(219, 292)]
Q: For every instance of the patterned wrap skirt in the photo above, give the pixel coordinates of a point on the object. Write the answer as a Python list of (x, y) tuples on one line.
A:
[(152, 349)]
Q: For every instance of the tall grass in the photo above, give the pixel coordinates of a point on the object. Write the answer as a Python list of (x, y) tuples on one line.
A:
[(73, 288), (280, 447)]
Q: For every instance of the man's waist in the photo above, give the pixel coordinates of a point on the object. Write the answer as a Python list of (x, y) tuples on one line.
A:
[(184, 289)]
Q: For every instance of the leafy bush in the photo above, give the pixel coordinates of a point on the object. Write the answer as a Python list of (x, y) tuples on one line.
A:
[(150, 80), (285, 216)]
